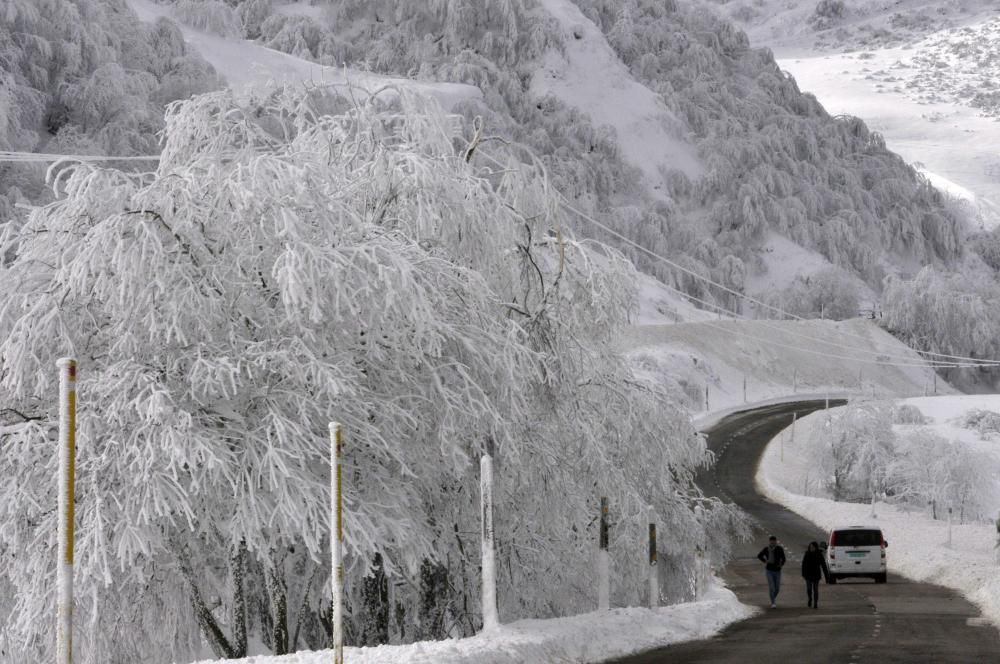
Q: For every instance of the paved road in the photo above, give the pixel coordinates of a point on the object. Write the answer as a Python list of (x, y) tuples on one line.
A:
[(857, 621)]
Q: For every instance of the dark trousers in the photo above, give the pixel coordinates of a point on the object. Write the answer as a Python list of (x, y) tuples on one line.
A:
[(812, 592)]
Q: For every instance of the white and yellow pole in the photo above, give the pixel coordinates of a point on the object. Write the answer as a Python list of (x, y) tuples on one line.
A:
[(67, 480), (337, 540)]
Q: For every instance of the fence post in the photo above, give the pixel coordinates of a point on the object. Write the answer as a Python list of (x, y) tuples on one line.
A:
[(337, 540), (949, 526), (795, 380), (744, 388), (603, 563), (67, 495), (491, 619), (654, 575)]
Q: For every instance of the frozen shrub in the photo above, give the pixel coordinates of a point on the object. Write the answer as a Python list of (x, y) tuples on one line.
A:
[(830, 9), (212, 16), (985, 422), (907, 414)]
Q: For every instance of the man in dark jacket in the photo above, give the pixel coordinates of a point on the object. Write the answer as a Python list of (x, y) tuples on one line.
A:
[(813, 568), (773, 557)]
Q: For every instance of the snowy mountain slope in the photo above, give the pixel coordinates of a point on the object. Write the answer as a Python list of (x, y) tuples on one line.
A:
[(244, 63), (929, 123), (588, 75)]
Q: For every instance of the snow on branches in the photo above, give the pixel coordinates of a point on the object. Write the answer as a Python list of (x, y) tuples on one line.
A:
[(301, 257)]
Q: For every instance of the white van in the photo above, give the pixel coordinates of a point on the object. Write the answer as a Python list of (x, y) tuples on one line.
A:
[(856, 551)]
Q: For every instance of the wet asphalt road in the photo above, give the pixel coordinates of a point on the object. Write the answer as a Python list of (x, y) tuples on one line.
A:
[(857, 621)]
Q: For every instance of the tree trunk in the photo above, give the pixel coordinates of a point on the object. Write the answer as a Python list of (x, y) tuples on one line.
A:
[(238, 568), (279, 609), (210, 628)]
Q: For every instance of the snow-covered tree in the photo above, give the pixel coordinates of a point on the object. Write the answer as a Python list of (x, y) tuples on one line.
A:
[(856, 445), (299, 258)]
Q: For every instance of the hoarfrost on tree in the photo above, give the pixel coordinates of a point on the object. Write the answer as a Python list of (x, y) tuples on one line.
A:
[(301, 257)]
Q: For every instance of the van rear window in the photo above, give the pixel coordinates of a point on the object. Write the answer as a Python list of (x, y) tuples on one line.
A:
[(857, 538)]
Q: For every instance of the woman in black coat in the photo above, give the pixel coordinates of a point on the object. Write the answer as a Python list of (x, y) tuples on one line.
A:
[(813, 569)]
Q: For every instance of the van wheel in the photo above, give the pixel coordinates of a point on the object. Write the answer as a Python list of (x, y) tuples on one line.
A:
[(880, 578), (831, 580)]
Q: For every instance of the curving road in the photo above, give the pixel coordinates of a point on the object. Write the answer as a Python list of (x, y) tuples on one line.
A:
[(857, 622)]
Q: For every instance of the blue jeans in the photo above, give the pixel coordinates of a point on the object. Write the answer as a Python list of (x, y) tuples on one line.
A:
[(773, 583)]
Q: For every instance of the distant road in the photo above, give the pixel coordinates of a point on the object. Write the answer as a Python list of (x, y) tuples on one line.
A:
[(857, 622)]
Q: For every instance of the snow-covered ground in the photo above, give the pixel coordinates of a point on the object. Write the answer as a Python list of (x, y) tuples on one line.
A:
[(244, 63), (591, 637), (588, 75), (918, 544)]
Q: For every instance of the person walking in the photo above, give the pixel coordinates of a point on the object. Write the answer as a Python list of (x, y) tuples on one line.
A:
[(813, 569), (773, 557)]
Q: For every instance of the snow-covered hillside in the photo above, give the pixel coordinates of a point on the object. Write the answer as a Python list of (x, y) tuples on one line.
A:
[(588, 75), (921, 73), (244, 63)]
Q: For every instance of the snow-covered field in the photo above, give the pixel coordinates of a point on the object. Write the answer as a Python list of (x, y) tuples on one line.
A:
[(918, 544), (592, 637), (778, 359)]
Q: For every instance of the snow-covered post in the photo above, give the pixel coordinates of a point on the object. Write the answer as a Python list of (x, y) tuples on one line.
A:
[(935, 382), (744, 388), (489, 594), (603, 562), (337, 541), (996, 547), (654, 576), (706, 396), (795, 380), (67, 493), (949, 527)]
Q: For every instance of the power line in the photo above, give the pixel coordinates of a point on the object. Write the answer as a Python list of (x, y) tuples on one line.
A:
[(10, 156), (583, 215), (959, 360)]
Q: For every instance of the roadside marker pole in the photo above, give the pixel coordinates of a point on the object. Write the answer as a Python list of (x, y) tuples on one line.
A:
[(949, 527), (67, 495), (654, 575), (337, 541), (491, 619), (603, 563)]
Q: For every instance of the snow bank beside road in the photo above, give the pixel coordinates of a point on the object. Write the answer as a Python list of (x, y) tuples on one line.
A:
[(917, 543), (591, 637)]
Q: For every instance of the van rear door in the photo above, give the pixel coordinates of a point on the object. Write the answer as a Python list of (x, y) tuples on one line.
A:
[(857, 551)]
